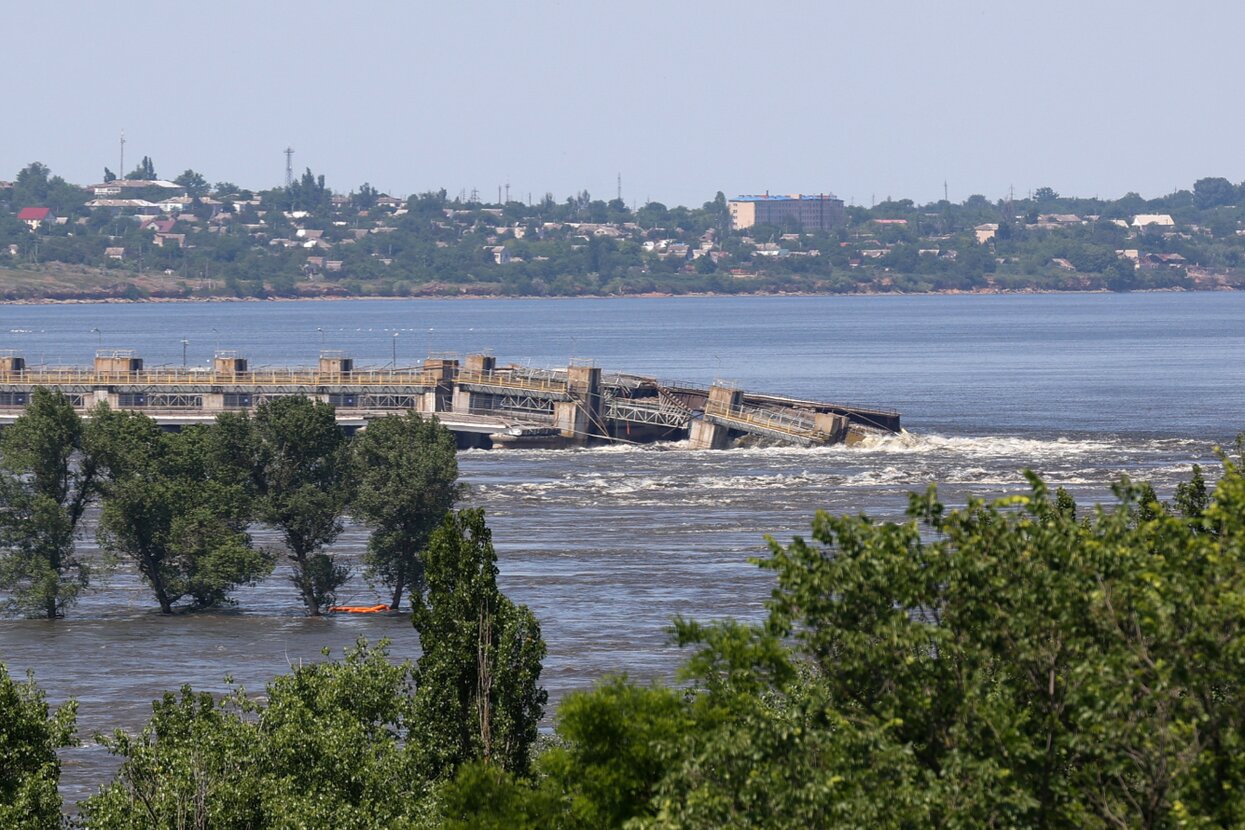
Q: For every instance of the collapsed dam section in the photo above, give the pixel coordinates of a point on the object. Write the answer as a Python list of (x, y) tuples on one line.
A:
[(484, 404)]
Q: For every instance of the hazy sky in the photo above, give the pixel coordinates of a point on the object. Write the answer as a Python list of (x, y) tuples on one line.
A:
[(682, 98)]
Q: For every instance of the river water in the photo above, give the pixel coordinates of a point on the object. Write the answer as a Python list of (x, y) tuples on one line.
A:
[(606, 545)]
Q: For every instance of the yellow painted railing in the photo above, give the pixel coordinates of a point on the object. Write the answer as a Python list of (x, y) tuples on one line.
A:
[(776, 421), (509, 381), (260, 377)]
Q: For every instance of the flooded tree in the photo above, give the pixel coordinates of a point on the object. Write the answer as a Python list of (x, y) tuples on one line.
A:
[(48, 476), (406, 469), (303, 489), (176, 509)]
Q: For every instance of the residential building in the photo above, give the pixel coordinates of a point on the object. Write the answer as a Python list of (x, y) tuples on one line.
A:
[(986, 232), (820, 212), (34, 217), (1160, 221)]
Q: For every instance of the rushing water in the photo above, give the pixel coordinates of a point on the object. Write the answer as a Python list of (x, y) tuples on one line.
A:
[(608, 544)]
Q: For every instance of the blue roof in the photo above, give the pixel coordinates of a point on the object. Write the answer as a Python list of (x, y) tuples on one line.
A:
[(786, 198)]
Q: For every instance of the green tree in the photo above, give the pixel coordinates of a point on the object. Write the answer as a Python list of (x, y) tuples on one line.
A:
[(49, 474), (406, 470), (196, 185), (365, 199), (144, 172), (171, 508), (1004, 664), (303, 490), (1213, 192), (325, 746), (29, 768), (478, 695), (35, 186)]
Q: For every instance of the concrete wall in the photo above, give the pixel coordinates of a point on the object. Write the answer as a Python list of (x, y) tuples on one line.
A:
[(743, 214)]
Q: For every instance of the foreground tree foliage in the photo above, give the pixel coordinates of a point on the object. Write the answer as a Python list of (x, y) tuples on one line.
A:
[(1012, 663), (176, 508), (324, 747), (358, 743), (1004, 664), (406, 473), (478, 694), (29, 768), (48, 476)]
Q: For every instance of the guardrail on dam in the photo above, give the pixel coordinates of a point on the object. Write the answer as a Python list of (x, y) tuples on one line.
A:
[(484, 404)]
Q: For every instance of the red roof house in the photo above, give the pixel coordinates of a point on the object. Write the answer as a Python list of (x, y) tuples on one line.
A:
[(36, 216)]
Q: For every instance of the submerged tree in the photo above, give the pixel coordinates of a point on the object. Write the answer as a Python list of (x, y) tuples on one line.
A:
[(48, 476), (173, 509), (303, 487), (478, 694), (406, 474)]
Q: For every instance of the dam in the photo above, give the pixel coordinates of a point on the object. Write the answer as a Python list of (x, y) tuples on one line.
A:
[(483, 403)]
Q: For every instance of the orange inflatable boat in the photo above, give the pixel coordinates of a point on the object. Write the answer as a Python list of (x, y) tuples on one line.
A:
[(359, 609)]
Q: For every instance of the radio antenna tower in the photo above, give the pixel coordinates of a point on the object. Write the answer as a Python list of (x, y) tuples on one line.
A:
[(620, 187), (121, 167), (289, 166)]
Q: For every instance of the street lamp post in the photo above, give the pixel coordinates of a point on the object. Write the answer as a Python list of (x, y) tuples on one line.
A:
[(185, 343), (394, 341)]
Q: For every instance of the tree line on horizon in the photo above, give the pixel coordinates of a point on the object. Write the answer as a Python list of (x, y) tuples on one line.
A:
[(426, 251), (1016, 662), (179, 506)]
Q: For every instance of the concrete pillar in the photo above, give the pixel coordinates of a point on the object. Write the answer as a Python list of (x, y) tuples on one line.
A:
[(426, 403), (706, 435), (213, 402), (482, 363), (724, 397), (834, 427), (462, 397), (444, 370), (571, 420), (580, 419)]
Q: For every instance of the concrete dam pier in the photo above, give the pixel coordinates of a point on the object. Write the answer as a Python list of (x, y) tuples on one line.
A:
[(482, 403)]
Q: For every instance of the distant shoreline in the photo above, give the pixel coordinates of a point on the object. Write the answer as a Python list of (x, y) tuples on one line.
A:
[(652, 295)]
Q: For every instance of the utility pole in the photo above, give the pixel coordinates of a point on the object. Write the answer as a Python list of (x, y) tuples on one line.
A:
[(620, 186), (507, 192), (944, 191), (289, 166)]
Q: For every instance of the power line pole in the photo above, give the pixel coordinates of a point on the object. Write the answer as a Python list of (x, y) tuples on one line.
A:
[(289, 166), (620, 187)]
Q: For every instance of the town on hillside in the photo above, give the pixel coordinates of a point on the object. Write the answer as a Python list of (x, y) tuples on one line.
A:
[(144, 236)]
